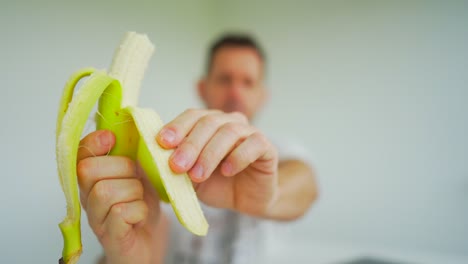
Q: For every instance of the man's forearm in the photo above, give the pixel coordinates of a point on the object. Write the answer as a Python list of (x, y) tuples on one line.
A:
[(297, 191)]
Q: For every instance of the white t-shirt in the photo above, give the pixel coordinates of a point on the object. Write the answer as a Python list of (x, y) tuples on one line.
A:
[(232, 238)]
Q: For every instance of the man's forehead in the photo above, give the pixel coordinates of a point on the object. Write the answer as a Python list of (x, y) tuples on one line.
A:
[(238, 58)]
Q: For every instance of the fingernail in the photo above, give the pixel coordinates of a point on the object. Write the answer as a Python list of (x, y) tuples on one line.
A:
[(167, 135), (197, 172), (180, 159), (104, 139)]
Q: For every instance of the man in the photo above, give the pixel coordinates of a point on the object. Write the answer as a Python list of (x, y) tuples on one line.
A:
[(233, 165)]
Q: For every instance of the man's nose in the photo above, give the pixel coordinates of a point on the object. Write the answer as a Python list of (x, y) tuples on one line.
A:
[(236, 91)]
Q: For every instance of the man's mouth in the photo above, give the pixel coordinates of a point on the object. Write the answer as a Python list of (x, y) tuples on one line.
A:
[(233, 106)]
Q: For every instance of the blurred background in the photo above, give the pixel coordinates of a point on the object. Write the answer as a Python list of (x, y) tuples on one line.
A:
[(376, 90)]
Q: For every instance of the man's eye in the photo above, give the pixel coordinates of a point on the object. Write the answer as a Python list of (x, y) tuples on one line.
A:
[(225, 80), (248, 83)]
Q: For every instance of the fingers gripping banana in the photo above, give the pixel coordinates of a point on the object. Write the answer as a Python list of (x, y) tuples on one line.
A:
[(135, 130)]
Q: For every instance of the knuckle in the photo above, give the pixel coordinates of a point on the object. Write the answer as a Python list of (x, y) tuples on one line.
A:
[(209, 121), (189, 146), (209, 154), (260, 138), (241, 156), (83, 169), (117, 209), (239, 116), (129, 166), (232, 129), (139, 189), (191, 111), (216, 111), (102, 191)]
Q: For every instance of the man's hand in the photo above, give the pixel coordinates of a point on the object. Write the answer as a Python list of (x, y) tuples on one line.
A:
[(232, 164), (116, 196)]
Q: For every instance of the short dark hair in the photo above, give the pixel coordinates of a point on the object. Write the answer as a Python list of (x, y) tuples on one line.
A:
[(241, 40)]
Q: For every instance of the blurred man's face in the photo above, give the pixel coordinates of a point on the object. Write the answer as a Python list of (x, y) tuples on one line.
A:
[(234, 82)]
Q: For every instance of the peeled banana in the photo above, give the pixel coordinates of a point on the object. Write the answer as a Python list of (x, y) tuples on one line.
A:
[(135, 130)]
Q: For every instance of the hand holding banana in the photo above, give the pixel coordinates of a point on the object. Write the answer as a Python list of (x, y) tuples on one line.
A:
[(231, 163), (121, 205)]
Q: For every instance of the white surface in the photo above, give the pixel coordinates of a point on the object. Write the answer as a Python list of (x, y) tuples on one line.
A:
[(376, 90)]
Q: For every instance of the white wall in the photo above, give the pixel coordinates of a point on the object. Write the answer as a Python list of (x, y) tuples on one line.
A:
[(376, 91)]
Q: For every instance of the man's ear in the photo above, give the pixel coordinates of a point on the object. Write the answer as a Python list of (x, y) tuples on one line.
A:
[(201, 89)]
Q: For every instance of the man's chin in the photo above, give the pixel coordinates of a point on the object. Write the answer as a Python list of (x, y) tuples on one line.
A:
[(235, 109)]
